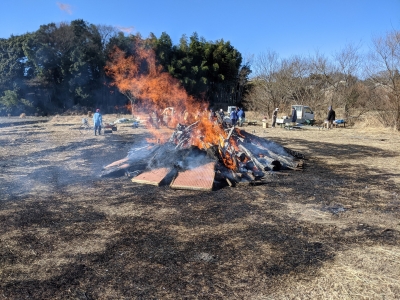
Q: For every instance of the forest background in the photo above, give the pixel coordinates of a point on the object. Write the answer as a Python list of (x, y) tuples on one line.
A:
[(63, 66)]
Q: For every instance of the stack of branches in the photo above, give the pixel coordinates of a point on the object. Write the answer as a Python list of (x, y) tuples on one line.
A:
[(241, 157), (182, 135), (248, 158)]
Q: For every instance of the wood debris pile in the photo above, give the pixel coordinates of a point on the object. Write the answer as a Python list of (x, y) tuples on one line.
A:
[(239, 157)]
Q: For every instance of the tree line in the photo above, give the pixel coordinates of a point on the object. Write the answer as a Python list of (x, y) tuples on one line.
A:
[(63, 65), (354, 82), (60, 66)]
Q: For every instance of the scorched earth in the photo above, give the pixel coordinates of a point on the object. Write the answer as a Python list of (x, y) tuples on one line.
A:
[(330, 230)]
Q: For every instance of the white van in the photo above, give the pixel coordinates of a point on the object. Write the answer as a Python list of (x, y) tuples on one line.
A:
[(303, 113), (230, 108)]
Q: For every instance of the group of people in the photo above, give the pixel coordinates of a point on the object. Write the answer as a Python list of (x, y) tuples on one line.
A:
[(237, 116), (329, 120)]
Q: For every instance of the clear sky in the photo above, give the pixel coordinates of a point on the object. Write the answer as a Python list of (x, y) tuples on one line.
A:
[(291, 27)]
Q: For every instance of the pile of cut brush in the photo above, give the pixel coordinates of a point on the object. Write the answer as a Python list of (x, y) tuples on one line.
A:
[(239, 157)]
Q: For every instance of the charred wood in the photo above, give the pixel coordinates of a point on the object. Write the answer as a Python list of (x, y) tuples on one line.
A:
[(294, 153)]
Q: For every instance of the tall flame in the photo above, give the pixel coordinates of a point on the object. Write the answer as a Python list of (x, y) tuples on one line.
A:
[(143, 81)]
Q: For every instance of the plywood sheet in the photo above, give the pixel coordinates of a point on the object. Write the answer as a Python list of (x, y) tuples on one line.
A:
[(153, 177), (199, 178)]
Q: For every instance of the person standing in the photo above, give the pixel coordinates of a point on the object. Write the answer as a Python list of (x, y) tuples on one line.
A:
[(331, 117), (234, 116), (240, 115), (222, 114), (97, 120), (274, 116), (294, 116)]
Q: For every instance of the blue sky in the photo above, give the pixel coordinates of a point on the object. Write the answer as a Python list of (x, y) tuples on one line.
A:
[(291, 27)]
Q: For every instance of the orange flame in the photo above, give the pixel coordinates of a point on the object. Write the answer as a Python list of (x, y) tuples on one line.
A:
[(142, 80), (239, 132), (228, 160), (233, 144)]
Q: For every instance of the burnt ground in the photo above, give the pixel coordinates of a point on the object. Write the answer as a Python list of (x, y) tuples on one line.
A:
[(329, 231)]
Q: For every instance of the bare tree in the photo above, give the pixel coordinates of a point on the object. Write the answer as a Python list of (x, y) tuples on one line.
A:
[(316, 81), (106, 33), (383, 70), (296, 80), (264, 94), (347, 90), (257, 98), (280, 83), (337, 80), (320, 69)]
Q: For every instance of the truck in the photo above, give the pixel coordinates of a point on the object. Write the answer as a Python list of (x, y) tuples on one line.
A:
[(230, 109), (304, 115)]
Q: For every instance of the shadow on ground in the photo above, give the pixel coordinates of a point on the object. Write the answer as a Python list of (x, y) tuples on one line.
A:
[(93, 238)]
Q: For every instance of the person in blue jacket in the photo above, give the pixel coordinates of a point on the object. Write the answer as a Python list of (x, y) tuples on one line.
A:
[(97, 120), (240, 115), (234, 116)]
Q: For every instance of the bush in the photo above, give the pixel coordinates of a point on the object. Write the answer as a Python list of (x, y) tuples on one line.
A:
[(10, 104)]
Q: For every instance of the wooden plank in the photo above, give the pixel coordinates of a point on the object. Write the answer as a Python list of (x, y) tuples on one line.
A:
[(153, 177), (199, 178)]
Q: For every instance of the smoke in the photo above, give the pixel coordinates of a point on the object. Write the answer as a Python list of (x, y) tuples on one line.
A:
[(139, 152), (273, 147), (167, 155), (65, 7), (194, 158), (127, 30), (150, 157)]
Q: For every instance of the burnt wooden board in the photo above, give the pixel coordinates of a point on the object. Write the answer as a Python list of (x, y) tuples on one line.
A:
[(153, 177), (199, 178)]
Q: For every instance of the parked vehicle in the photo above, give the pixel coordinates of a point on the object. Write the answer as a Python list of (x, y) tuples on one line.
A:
[(304, 113), (230, 108)]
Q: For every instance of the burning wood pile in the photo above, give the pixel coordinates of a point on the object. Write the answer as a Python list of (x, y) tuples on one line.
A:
[(190, 160), (203, 151)]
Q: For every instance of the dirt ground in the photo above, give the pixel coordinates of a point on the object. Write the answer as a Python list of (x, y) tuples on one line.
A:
[(331, 231)]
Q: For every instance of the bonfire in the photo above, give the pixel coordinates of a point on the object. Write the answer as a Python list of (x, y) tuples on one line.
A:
[(204, 151)]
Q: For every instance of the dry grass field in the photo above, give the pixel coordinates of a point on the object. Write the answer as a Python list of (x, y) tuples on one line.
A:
[(331, 231)]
